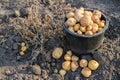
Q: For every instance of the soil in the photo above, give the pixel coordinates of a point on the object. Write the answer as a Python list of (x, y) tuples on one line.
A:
[(38, 23)]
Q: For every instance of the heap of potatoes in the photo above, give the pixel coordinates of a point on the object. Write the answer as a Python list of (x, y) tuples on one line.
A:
[(84, 22), (72, 62)]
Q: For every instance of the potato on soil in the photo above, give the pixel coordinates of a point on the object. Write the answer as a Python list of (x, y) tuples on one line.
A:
[(22, 44), (93, 64), (83, 63), (22, 53), (86, 72), (62, 72), (57, 53), (70, 22), (70, 15), (75, 58), (69, 52), (74, 66), (66, 65), (67, 57), (23, 48)]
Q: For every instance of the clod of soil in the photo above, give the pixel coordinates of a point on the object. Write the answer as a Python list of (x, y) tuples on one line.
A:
[(36, 69)]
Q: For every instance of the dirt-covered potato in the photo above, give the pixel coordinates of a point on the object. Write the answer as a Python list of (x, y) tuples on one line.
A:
[(93, 64), (97, 13), (57, 53), (66, 65), (85, 21), (76, 27), (94, 28), (74, 66), (70, 22), (75, 58), (70, 15), (86, 72), (67, 57), (83, 63), (62, 72)]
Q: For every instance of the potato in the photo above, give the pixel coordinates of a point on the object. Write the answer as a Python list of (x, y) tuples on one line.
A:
[(70, 15), (85, 21), (89, 33), (95, 19), (101, 24), (57, 53), (88, 13), (75, 58), (89, 28), (93, 65), (67, 57), (76, 27), (69, 52), (79, 11), (79, 32), (97, 13), (66, 65), (70, 22), (62, 72), (86, 72), (22, 44), (78, 17), (94, 28), (83, 29), (17, 13), (83, 63), (99, 29), (22, 53), (74, 66), (23, 48), (71, 29)]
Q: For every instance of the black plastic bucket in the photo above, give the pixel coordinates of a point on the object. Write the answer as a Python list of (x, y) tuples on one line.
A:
[(84, 44)]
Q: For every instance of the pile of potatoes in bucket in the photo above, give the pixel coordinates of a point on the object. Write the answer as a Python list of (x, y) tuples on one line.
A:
[(72, 62), (84, 22)]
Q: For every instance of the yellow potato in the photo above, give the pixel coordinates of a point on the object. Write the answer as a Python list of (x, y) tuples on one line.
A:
[(22, 53), (69, 52), (75, 58), (22, 44), (62, 72), (66, 65), (70, 15), (74, 66), (85, 21), (101, 24), (83, 63), (57, 53), (88, 13), (97, 13), (93, 65), (89, 28), (23, 48), (71, 29), (95, 19), (89, 33), (76, 27), (83, 29), (99, 29), (67, 57), (79, 11), (79, 32), (94, 28), (70, 22), (86, 72), (78, 17)]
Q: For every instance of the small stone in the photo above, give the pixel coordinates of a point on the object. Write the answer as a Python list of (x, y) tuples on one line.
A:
[(36, 69), (17, 13), (55, 71)]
